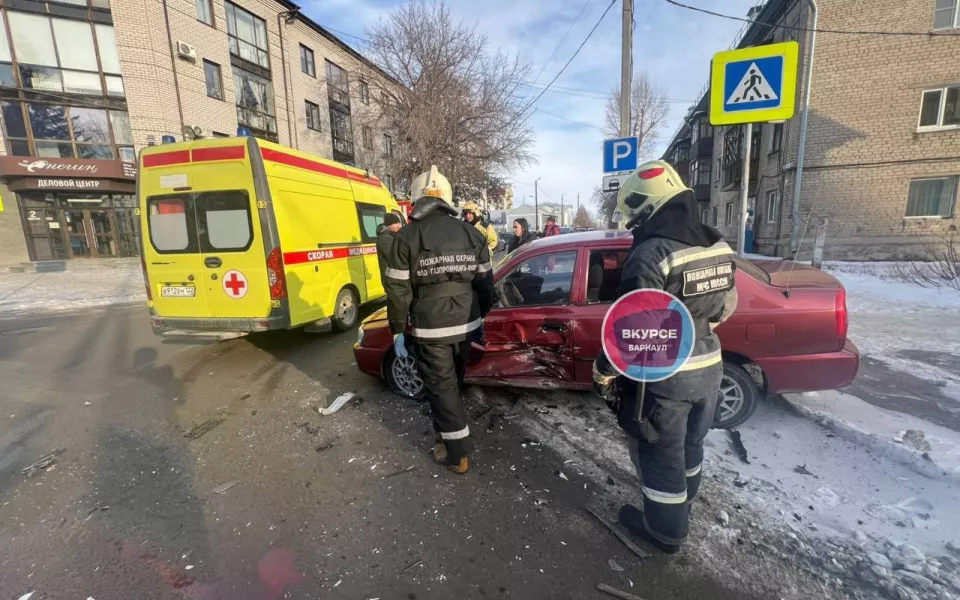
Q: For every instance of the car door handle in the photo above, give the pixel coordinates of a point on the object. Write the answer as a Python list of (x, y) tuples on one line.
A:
[(553, 326), (212, 261)]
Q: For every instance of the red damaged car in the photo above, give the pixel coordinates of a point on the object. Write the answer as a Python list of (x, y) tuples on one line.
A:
[(788, 334)]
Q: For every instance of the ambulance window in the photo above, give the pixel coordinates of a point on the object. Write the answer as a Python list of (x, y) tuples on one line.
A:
[(224, 221), (172, 224), (371, 217)]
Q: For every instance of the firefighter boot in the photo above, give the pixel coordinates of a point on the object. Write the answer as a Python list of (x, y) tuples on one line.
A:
[(631, 517), (439, 449), (441, 457)]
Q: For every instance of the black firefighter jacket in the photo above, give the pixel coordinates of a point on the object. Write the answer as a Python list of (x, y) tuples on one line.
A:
[(439, 273), (702, 276), (384, 244)]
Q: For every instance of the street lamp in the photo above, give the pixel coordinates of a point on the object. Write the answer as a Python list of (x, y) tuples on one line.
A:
[(536, 204)]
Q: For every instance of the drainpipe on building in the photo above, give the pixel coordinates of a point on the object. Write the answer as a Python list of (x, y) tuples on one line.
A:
[(795, 233), (173, 62), (291, 132)]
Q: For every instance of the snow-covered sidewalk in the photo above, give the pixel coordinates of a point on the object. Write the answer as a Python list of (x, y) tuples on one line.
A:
[(29, 293)]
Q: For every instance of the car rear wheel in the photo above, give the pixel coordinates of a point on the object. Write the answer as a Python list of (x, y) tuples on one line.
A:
[(402, 376), (739, 394), (346, 312)]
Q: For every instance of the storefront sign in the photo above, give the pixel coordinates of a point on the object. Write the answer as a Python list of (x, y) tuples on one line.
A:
[(61, 183), (20, 166)]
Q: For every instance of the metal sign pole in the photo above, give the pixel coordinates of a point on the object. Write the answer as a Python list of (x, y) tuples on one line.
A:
[(744, 190)]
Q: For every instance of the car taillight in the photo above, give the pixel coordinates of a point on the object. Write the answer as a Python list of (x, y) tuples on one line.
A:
[(278, 283), (146, 279), (841, 314)]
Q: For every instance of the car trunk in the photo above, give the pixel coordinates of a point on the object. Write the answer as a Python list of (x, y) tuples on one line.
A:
[(787, 274)]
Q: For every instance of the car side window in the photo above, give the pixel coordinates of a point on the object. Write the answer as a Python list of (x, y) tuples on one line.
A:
[(543, 280), (371, 216), (604, 271)]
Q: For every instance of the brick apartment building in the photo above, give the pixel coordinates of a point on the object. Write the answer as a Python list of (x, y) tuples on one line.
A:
[(883, 139), (84, 84)]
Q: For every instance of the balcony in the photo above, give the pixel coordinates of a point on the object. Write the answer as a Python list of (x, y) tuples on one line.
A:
[(704, 147), (702, 192)]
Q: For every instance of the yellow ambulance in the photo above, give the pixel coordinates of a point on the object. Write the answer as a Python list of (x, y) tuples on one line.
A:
[(240, 234)]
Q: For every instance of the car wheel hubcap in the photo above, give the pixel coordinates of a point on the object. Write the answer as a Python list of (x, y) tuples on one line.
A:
[(348, 310), (406, 377), (731, 399)]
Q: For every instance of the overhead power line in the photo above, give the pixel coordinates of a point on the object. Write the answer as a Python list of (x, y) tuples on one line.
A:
[(560, 43), (818, 30), (579, 48)]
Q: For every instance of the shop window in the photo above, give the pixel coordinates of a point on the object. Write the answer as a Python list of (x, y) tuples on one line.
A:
[(13, 120), (120, 121), (48, 121), (247, 35), (67, 132), (54, 149), (76, 82), (4, 46), (90, 125), (114, 86)]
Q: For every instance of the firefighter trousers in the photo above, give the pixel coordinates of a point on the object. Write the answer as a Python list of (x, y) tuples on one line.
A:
[(442, 367), (670, 468)]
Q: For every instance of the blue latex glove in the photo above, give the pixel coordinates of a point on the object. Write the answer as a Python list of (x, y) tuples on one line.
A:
[(399, 347)]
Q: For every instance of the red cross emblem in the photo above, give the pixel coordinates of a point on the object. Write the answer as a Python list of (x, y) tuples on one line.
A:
[(235, 284)]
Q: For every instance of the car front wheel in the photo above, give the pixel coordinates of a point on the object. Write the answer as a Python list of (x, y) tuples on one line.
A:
[(402, 376), (739, 395)]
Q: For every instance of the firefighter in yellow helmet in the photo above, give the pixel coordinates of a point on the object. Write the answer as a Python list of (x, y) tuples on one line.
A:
[(666, 421), (473, 214), (439, 277)]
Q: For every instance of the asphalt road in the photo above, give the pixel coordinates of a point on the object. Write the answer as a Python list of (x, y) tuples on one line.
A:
[(130, 508)]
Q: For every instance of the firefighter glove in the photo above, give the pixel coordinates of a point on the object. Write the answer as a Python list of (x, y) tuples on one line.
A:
[(399, 347), (603, 386)]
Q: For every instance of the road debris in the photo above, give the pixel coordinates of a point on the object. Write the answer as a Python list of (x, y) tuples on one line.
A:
[(26, 596), (323, 447), (606, 589), (540, 502), (189, 567), (802, 470), (223, 487), (532, 442), (338, 403), (411, 565), (563, 475), (400, 472), (203, 428), (737, 442), (309, 428), (613, 565), (616, 531), (723, 518), (43, 463)]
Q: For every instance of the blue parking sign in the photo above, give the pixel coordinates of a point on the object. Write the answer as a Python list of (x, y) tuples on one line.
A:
[(620, 154)]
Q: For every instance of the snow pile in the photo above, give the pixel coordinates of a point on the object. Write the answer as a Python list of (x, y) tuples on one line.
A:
[(28, 293)]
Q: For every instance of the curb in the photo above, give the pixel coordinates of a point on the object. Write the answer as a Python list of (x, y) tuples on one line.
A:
[(883, 446)]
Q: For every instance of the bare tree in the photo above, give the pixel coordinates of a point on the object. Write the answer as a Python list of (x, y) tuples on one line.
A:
[(582, 218), (648, 111), (458, 105)]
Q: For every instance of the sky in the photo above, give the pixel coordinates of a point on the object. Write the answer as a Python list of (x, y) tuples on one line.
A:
[(673, 45)]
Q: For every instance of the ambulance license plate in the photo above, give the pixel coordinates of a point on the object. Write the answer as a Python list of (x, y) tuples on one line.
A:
[(178, 291)]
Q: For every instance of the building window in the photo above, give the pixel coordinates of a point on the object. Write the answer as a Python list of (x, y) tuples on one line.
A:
[(940, 108), (211, 72), (204, 11), (933, 197), (717, 170), (704, 213), (773, 205), (946, 14), (728, 214), (387, 146), (714, 216), (367, 134), (247, 35), (683, 154), (60, 55), (700, 172), (56, 131), (307, 65), (341, 126), (255, 109), (776, 139), (706, 131), (388, 181), (313, 115), (364, 92)]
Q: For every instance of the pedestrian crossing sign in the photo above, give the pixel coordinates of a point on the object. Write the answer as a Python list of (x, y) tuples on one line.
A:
[(754, 85)]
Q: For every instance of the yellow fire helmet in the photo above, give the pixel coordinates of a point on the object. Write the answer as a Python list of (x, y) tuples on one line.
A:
[(431, 183), (646, 190), (471, 206)]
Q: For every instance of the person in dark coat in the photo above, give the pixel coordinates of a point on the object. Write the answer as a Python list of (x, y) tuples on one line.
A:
[(386, 231), (521, 234)]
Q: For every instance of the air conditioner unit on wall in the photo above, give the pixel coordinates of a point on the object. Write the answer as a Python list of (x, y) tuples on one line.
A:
[(185, 50)]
